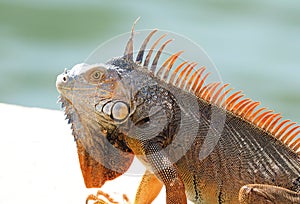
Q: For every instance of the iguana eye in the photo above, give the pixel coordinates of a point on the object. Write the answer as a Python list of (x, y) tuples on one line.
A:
[(96, 75)]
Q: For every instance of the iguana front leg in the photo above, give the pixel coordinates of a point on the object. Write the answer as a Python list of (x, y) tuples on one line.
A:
[(149, 188), (167, 172), (259, 193), (151, 129)]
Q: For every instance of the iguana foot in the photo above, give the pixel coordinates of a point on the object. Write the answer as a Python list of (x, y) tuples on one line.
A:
[(104, 198), (261, 194), (149, 188)]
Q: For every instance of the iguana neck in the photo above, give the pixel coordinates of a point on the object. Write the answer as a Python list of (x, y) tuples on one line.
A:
[(99, 150)]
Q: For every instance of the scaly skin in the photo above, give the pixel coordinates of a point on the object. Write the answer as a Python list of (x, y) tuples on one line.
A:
[(120, 109)]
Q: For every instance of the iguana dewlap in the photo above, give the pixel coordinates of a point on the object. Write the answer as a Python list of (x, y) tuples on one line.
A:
[(202, 142)]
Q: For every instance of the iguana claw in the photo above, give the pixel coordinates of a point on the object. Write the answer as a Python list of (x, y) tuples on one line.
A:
[(104, 198)]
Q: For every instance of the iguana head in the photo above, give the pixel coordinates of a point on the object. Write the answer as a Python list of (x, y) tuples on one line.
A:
[(96, 102), (97, 92)]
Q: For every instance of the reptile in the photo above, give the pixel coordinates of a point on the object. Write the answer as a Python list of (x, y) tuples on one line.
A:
[(201, 140)]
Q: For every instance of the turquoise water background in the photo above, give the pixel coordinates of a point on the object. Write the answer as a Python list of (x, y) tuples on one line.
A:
[(254, 44)]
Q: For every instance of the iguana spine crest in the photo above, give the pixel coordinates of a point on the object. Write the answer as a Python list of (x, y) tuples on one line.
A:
[(190, 78)]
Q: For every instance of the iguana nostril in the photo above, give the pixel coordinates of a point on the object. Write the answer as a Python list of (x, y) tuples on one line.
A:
[(61, 81)]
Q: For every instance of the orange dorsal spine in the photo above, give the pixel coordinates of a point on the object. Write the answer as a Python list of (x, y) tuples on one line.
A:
[(188, 77)]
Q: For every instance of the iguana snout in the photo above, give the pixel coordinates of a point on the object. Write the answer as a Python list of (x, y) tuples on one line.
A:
[(82, 77)]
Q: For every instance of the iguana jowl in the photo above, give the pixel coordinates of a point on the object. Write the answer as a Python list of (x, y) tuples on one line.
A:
[(130, 107)]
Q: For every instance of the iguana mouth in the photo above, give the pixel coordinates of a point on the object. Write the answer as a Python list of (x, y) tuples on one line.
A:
[(65, 88)]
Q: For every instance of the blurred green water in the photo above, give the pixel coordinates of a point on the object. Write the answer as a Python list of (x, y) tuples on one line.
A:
[(255, 45)]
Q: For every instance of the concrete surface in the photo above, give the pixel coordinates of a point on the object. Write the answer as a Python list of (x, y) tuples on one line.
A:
[(39, 161)]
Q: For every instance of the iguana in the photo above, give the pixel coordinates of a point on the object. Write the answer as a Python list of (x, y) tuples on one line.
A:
[(201, 141)]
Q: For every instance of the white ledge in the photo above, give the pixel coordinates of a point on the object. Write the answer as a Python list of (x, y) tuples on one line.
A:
[(39, 161)]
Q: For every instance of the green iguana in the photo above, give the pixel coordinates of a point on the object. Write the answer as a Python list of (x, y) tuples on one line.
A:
[(202, 142)]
